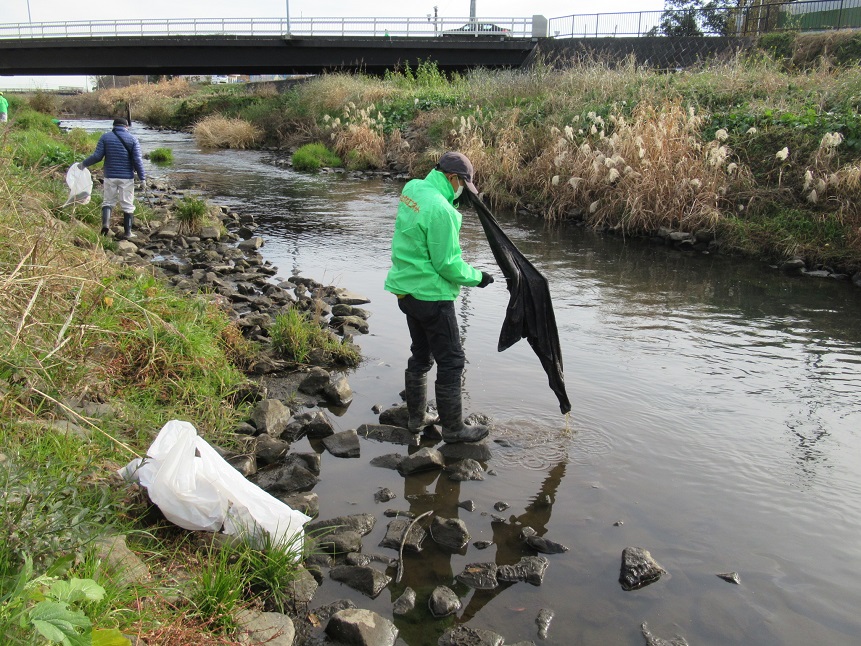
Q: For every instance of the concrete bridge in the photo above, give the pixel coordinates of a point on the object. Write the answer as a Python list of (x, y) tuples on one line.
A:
[(265, 46)]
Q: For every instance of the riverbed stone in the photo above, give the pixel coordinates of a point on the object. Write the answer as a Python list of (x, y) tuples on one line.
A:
[(270, 416), (545, 616), (342, 309), (307, 502), (355, 322), (544, 545), (731, 577), (357, 627), (639, 569), (464, 635), (396, 416), (384, 495), (346, 297), (343, 445), (302, 588), (340, 542), (481, 576), (119, 564), (361, 523), (252, 244), (449, 532), (424, 459), (395, 533), (652, 640), (316, 379), (530, 569), (315, 424), (478, 451), (338, 392), (270, 450), (272, 628), (467, 469), (443, 602), (367, 580), (285, 478), (391, 434), (388, 461), (405, 603)]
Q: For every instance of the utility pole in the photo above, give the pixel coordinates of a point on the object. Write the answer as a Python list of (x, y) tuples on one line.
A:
[(472, 10), (287, 3), (29, 17)]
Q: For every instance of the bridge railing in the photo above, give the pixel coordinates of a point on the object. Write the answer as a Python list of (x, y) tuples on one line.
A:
[(394, 27), (752, 20)]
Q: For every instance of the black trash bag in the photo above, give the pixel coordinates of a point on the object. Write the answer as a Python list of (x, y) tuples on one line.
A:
[(530, 310)]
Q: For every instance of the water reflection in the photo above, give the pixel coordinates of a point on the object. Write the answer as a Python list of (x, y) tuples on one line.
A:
[(423, 572)]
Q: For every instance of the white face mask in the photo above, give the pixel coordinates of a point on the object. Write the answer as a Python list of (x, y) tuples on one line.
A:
[(458, 191)]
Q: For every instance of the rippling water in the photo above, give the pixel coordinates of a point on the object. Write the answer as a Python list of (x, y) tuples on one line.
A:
[(716, 416)]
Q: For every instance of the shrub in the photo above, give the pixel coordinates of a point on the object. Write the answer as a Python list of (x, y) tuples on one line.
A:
[(311, 157), (161, 156), (216, 131), (43, 102)]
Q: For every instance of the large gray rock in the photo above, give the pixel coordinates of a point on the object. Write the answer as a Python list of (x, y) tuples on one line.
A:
[(302, 588), (367, 580), (270, 416), (443, 602), (338, 392), (358, 627), (252, 244), (388, 461), (315, 424), (449, 532), (347, 297), (639, 569), (271, 628), (361, 523), (316, 380), (340, 542), (466, 469), (357, 323), (424, 459), (395, 533), (305, 501), (285, 478), (343, 445), (388, 433)]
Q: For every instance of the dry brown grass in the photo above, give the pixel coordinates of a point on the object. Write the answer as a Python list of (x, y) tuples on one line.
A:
[(358, 137), (216, 131)]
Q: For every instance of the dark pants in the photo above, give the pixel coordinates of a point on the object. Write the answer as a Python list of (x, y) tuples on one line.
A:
[(433, 330)]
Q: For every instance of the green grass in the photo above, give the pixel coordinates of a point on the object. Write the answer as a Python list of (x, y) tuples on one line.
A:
[(313, 157), (161, 156), (296, 335), (191, 213)]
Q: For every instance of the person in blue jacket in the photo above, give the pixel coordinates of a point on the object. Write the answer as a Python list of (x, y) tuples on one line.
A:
[(122, 154)]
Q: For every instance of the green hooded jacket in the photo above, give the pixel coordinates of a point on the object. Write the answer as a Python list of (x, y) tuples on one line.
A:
[(426, 256), (4, 104)]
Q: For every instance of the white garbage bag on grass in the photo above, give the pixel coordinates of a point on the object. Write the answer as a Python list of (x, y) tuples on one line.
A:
[(195, 488), (80, 183)]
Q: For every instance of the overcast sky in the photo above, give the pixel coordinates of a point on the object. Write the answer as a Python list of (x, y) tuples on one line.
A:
[(15, 11)]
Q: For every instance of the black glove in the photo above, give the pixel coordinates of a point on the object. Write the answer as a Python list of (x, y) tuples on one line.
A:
[(486, 279)]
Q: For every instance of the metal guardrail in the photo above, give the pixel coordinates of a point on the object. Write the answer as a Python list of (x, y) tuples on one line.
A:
[(374, 27), (808, 15)]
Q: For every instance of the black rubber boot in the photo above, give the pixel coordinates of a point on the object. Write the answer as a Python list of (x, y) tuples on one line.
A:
[(128, 220), (106, 220), (448, 403), (416, 394)]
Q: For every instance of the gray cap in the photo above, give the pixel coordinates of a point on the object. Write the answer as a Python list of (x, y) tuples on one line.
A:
[(457, 163)]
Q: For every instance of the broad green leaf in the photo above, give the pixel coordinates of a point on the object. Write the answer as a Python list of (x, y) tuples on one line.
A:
[(77, 590), (58, 623), (109, 637)]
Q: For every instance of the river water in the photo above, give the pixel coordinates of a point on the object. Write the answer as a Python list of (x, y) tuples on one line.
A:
[(716, 422)]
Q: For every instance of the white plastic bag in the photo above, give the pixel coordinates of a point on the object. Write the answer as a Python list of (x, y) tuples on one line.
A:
[(195, 488), (80, 184)]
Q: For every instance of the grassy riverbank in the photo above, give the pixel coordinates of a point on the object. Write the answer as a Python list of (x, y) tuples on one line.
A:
[(757, 151), (94, 358)]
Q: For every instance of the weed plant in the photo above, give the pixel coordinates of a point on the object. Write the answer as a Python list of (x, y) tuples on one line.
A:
[(191, 212), (161, 156), (216, 131), (296, 336), (313, 157)]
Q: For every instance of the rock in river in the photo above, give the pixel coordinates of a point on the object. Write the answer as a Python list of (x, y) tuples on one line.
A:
[(639, 569)]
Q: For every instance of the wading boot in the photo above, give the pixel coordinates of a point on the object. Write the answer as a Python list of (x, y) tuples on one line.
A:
[(106, 220), (128, 220), (450, 408), (416, 394)]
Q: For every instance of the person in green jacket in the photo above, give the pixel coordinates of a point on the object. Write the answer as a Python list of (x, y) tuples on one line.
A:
[(426, 275), (4, 109)]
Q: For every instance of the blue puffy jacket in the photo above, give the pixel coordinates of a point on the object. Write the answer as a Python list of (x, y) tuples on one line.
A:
[(118, 163)]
